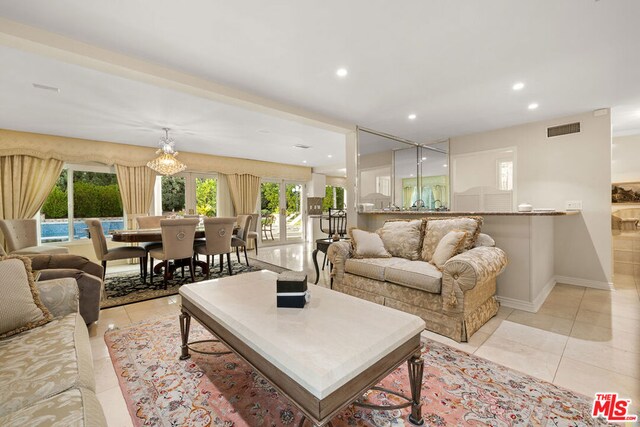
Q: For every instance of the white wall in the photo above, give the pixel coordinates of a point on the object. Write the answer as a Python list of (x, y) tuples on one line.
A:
[(554, 170), (625, 158)]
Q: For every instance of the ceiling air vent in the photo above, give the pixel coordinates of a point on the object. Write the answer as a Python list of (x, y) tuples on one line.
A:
[(302, 146), (563, 129)]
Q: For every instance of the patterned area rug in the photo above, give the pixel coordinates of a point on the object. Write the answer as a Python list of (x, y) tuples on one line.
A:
[(127, 288), (458, 389)]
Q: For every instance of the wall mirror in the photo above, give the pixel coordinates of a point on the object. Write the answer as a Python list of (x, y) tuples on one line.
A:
[(399, 174)]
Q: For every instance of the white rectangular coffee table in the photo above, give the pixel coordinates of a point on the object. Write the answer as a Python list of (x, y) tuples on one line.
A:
[(322, 357)]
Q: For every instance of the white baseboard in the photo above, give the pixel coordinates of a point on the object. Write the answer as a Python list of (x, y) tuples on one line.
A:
[(530, 306), (595, 284), (516, 303)]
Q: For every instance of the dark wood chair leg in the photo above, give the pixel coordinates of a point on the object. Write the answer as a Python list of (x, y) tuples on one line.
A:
[(256, 243), (238, 252), (182, 269), (324, 261), (166, 272), (145, 270), (246, 258), (104, 270), (221, 263), (228, 264), (150, 270), (192, 269)]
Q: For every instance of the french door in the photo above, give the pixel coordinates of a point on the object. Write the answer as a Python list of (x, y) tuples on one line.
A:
[(282, 214), (186, 194)]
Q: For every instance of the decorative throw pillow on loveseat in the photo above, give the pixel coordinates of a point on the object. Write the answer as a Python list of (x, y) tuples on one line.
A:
[(402, 238), (367, 245), (20, 305), (437, 228), (448, 246)]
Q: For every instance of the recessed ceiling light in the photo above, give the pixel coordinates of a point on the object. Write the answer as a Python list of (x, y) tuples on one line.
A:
[(444, 166), (342, 72), (45, 87), (533, 106), (518, 86), (412, 116), (424, 158), (330, 156), (304, 161), (411, 175)]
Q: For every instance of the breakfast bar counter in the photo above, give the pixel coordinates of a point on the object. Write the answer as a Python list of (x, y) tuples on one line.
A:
[(526, 237)]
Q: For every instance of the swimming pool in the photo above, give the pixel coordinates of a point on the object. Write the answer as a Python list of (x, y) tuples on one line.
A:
[(58, 231)]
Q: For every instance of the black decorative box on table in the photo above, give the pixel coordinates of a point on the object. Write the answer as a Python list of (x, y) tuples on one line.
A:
[(291, 289)]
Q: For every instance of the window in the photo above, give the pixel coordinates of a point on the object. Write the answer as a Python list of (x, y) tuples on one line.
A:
[(333, 198), (81, 192), (505, 175)]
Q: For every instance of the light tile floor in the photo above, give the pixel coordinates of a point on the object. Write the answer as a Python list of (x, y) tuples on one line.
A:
[(586, 340)]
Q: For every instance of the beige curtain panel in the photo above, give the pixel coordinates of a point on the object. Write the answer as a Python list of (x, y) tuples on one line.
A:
[(25, 184), (244, 191), (136, 189)]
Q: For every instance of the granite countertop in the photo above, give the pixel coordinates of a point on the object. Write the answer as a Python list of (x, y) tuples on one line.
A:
[(459, 213)]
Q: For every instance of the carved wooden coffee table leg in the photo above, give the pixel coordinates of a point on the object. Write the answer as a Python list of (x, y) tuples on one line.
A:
[(416, 369), (185, 324)]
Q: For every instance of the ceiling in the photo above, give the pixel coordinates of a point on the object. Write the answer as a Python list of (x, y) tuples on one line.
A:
[(99, 106), (451, 63)]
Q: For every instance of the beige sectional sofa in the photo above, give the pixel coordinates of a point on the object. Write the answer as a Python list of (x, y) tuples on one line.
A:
[(454, 301), (46, 373)]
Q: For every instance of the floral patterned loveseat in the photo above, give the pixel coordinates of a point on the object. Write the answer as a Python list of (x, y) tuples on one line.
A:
[(455, 301)]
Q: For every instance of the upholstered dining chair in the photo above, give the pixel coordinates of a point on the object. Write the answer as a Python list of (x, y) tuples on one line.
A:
[(21, 236), (253, 231), (240, 240), (177, 244), (105, 254), (146, 222), (218, 233), (149, 222)]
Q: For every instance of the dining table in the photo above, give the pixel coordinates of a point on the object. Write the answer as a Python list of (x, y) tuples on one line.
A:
[(144, 235)]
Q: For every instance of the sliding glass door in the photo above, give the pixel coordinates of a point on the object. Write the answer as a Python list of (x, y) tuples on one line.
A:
[(282, 216)]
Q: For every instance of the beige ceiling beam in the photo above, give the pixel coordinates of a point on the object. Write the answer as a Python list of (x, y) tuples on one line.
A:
[(35, 40)]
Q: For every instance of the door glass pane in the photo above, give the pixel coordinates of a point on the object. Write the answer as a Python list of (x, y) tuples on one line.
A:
[(270, 210), (96, 195), (206, 193), (173, 195), (293, 211)]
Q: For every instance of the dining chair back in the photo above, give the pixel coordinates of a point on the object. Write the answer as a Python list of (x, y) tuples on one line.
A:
[(98, 240), (218, 234), (177, 237), (146, 222), (244, 222), (252, 235)]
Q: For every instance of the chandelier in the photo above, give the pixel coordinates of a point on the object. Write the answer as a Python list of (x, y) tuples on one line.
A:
[(166, 163)]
